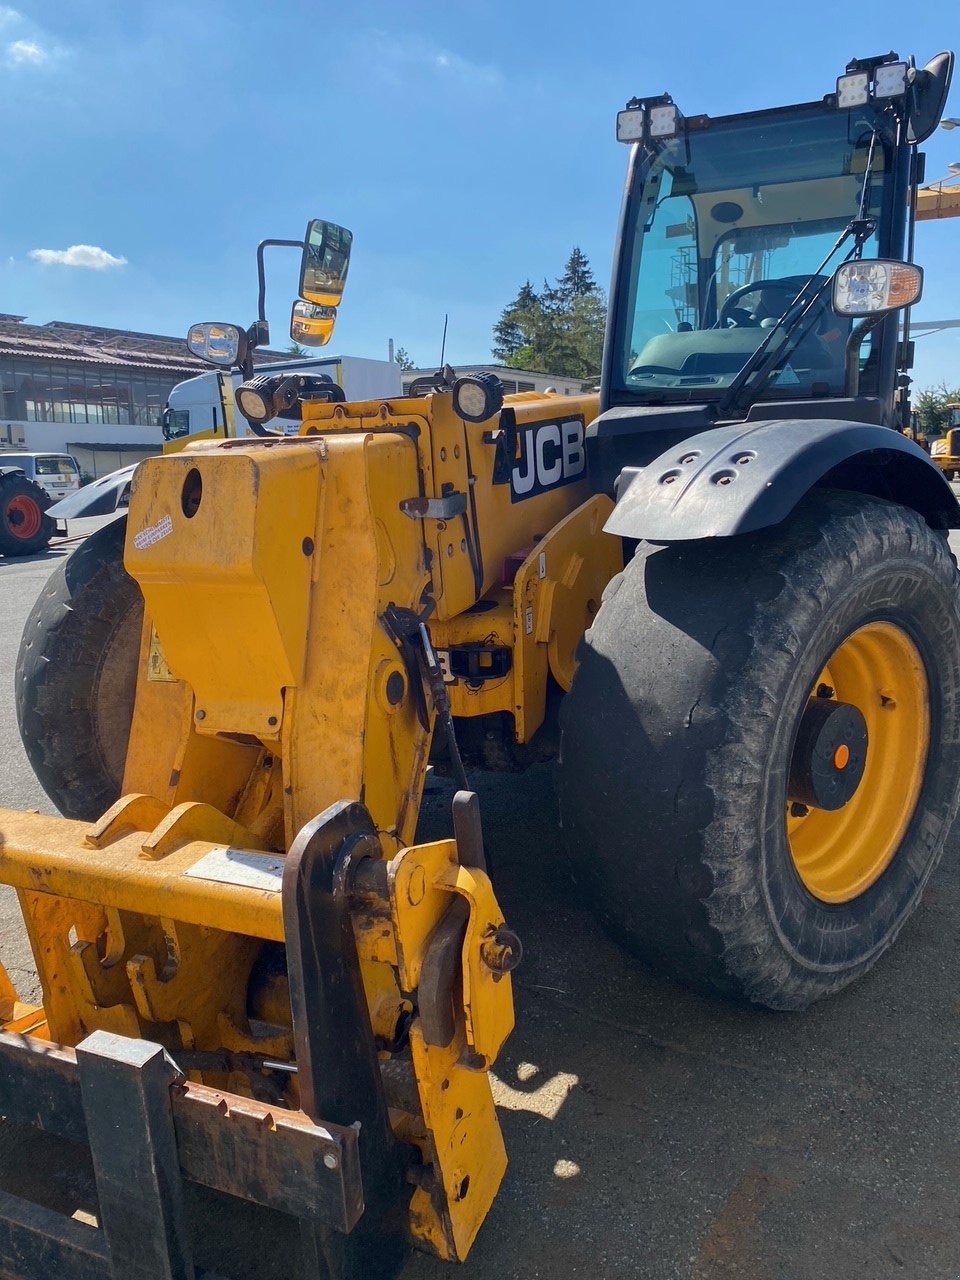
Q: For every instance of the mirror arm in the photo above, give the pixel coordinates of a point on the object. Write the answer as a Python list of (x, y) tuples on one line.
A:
[(854, 343), (261, 277)]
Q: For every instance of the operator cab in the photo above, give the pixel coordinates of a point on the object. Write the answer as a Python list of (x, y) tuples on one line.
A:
[(732, 229), (730, 224)]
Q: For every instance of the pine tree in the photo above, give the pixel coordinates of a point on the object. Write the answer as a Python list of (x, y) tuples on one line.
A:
[(513, 330), (404, 359), (556, 343), (507, 337), (560, 329), (588, 324), (577, 280)]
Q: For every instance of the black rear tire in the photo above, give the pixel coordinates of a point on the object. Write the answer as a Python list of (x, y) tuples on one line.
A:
[(76, 676), (679, 730), (25, 529)]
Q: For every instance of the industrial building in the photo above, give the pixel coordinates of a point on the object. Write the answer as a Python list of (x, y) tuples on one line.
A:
[(94, 392)]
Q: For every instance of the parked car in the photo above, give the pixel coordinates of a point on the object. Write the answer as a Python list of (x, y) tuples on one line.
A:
[(56, 473)]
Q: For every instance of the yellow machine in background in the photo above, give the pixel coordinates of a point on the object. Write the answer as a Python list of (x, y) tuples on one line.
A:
[(942, 200), (946, 451), (939, 200)]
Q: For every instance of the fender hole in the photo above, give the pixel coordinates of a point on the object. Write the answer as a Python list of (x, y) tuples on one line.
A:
[(191, 493)]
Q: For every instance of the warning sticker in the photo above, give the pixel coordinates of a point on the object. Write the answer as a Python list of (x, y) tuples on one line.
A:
[(238, 866), (158, 669), (153, 533)]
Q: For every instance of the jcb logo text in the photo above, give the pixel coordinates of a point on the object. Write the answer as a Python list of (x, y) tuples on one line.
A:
[(551, 454)]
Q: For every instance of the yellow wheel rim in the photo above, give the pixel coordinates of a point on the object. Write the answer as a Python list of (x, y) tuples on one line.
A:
[(840, 854)]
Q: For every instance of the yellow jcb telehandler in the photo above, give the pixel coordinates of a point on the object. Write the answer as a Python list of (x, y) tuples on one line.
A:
[(720, 593), (946, 451)]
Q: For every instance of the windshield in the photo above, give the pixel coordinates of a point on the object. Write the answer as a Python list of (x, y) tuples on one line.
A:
[(954, 415), (725, 226), (175, 423)]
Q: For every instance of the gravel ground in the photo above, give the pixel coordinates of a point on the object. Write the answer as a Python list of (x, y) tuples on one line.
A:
[(651, 1132)]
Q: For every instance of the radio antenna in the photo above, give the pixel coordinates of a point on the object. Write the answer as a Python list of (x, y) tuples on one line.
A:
[(443, 344)]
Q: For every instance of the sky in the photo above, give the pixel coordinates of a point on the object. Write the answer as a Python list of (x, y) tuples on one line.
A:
[(467, 146)]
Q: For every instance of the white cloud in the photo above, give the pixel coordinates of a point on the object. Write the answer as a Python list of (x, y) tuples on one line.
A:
[(78, 255), (400, 53), (26, 52), (36, 47)]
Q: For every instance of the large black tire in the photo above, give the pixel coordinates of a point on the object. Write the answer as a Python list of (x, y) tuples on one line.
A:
[(76, 676), (679, 730), (25, 528)]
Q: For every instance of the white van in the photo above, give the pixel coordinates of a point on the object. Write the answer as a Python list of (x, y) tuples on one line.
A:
[(56, 473)]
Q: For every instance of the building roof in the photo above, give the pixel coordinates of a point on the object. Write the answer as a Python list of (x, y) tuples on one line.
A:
[(93, 344)]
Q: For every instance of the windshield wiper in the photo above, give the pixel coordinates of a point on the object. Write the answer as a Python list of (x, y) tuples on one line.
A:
[(763, 364)]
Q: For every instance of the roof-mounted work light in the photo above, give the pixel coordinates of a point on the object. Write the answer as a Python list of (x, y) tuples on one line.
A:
[(890, 80), (853, 90), (664, 121), (887, 75), (653, 119), (630, 124)]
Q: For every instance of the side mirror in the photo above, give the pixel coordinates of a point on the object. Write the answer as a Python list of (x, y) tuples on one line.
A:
[(312, 325), (872, 286), (326, 258), (928, 97), (221, 344)]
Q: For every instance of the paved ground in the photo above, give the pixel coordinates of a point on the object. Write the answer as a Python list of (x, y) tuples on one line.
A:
[(656, 1134)]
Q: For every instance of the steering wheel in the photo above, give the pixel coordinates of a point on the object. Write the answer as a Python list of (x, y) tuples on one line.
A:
[(744, 319)]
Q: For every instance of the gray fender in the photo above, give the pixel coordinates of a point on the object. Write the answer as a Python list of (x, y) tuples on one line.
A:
[(98, 498), (748, 476)]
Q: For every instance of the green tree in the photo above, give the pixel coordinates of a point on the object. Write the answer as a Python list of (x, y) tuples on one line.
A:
[(588, 322), (930, 406), (577, 280), (558, 330), (513, 330), (404, 359), (295, 349)]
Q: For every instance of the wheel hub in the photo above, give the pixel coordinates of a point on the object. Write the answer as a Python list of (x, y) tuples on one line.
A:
[(24, 517), (830, 755)]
